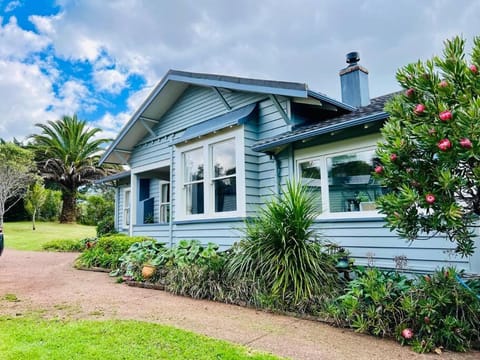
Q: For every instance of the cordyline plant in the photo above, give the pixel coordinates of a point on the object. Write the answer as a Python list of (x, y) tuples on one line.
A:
[(431, 151)]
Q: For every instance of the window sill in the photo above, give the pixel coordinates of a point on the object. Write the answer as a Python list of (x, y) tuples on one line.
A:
[(208, 220), (367, 216)]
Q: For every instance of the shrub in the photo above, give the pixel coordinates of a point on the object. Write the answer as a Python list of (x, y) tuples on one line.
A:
[(280, 249), (371, 303), (64, 245), (106, 252), (50, 210), (441, 313), (106, 226), (429, 313), (196, 281)]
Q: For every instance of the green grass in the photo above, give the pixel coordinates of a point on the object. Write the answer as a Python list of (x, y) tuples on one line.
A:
[(20, 236), (26, 338)]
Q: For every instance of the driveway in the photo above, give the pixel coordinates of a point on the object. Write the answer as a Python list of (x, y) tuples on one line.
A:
[(46, 282)]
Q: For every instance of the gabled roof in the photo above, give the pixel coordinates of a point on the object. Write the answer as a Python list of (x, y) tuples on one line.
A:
[(366, 114), (172, 86)]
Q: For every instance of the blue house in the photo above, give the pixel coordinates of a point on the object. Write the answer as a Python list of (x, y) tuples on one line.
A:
[(206, 150)]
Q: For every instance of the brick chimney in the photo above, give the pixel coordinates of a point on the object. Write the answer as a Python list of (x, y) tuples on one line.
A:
[(354, 82)]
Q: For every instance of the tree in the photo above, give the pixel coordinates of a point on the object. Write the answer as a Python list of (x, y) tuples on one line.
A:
[(431, 151), (16, 166), (34, 200), (67, 154)]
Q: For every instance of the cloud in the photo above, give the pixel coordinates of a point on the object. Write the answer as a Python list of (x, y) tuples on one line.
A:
[(109, 80), (17, 43), (12, 5), (26, 96)]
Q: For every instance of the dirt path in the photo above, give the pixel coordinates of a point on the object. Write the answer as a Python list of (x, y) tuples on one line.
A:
[(47, 282)]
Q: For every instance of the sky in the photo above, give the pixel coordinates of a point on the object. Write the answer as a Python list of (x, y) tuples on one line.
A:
[(101, 58)]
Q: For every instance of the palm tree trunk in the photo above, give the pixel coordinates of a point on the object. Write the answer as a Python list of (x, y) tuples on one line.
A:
[(69, 211)]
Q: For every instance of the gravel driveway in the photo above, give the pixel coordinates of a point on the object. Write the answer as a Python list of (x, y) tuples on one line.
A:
[(47, 282)]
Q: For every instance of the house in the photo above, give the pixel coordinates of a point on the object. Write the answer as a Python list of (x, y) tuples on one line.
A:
[(205, 151)]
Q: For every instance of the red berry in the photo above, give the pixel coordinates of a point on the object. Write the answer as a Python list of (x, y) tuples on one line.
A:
[(426, 319), (445, 115), (407, 333), (444, 144), (379, 169), (430, 199), (393, 157), (409, 92), (474, 69), (466, 143), (419, 109), (443, 84)]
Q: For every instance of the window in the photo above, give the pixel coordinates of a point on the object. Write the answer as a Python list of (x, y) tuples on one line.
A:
[(126, 207), (211, 171), (164, 202), (341, 179), (193, 181), (224, 176)]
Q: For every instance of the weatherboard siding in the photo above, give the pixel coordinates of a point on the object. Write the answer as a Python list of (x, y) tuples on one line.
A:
[(199, 104), (370, 242)]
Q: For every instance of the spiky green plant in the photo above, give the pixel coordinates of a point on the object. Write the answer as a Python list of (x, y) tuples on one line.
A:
[(281, 249)]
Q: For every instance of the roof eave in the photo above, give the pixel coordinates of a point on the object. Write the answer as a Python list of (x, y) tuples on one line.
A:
[(320, 131), (331, 101)]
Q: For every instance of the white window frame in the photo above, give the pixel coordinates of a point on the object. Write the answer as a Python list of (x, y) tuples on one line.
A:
[(321, 153), (209, 194), (163, 204), (126, 225)]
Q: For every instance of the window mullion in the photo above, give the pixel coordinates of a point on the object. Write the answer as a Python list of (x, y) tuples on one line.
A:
[(324, 183)]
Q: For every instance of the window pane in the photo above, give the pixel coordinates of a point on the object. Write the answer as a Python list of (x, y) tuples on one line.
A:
[(351, 184), (193, 162), (194, 198), (223, 156), (311, 176), (225, 194)]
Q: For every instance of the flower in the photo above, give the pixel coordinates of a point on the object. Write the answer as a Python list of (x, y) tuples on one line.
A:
[(409, 92), (473, 68), (378, 169), (393, 157), (466, 143), (445, 115), (407, 333), (419, 109), (430, 198), (443, 84), (444, 144)]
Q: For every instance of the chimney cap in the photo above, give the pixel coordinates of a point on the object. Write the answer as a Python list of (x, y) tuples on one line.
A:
[(353, 57)]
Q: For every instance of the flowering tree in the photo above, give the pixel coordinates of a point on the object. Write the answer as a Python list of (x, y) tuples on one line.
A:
[(431, 151)]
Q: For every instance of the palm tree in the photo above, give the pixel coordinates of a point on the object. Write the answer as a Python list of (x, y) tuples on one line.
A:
[(67, 154)]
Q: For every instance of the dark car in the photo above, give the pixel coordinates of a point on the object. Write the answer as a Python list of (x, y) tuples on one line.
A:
[(1, 241)]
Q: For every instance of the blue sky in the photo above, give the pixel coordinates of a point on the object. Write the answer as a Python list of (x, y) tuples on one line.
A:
[(100, 59)]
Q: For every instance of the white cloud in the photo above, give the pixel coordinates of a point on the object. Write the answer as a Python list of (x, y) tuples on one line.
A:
[(109, 80), (12, 5), (26, 95), (18, 43)]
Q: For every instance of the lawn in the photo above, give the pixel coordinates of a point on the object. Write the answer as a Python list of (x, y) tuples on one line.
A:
[(20, 236), (24, 338)]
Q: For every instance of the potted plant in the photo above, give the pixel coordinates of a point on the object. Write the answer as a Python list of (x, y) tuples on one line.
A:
[(150, 266)]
